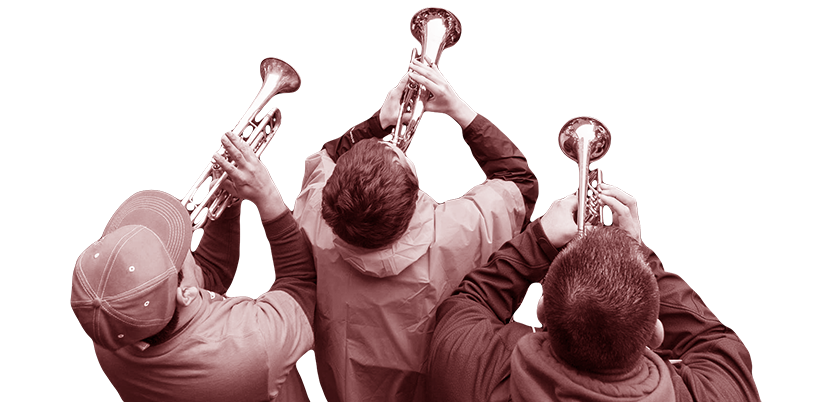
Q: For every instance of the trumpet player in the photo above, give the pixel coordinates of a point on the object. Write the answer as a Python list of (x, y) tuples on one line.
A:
[(157, 315), (387, 253), (616, 325)]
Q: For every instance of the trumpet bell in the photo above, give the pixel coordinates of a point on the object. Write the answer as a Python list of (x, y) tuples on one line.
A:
[(286, 78), (445, 36), (436, 29), (599, 138)]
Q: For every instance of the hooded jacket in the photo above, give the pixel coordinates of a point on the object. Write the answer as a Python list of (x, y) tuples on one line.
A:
[(376, 308), (538, 375), (479, 354)]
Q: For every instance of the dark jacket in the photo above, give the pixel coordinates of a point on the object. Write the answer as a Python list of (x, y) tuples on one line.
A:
[(478, 353)]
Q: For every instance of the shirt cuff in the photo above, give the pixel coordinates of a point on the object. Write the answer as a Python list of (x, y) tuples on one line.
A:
[(374, 128), (281, 225), (478, 124)]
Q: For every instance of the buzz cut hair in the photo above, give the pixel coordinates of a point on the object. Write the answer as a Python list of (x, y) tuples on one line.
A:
[(601, 302)]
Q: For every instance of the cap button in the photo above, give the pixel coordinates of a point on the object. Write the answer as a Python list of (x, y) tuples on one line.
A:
[(96, 302)]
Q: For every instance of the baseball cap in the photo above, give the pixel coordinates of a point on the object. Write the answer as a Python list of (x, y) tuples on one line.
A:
[(124, 284)]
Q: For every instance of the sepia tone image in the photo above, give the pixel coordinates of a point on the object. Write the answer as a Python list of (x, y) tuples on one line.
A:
[(676, 89)]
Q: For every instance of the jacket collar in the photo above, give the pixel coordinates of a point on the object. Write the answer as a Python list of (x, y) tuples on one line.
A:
[(392, 259), (538, 375)]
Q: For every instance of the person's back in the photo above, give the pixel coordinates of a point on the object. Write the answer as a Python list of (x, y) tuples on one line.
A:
[(606, 336), (379, 282), (599, 309), (219, 355), (160, 324)]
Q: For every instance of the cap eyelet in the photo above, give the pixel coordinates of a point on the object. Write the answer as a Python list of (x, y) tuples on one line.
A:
[(96, 255), (120, 336), (132, 268), (147, 303)]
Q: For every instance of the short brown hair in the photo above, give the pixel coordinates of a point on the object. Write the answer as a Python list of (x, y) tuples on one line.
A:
[(600, 302), (370, 197)]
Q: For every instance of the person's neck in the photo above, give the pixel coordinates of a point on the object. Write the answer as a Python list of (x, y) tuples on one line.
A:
[(186, 313), (181, 318)]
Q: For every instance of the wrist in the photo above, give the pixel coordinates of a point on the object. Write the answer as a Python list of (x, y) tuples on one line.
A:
[(386, 118), (272, 210), (270, 205), (463, 115), (558, 238)]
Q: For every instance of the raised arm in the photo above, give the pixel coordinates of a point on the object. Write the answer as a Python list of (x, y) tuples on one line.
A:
[(499, 158), (713, 362), (714, 365), (218, 251), (474, 327), (371, 128), (290, 251), (293, 262), (377, 126), (502, 283), (495, 153)]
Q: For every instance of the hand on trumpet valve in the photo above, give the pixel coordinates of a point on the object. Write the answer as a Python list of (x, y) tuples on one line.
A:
[(392, 104), (215, 176), (623, 209), (248, 178), (443, 97)]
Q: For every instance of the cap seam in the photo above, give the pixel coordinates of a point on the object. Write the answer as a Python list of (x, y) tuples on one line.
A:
[(113, 255), (176, 243)]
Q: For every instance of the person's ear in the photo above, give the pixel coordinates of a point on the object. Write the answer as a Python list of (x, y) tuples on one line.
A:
[(192, 274), (540, 311), (186, 295), (658, 335)]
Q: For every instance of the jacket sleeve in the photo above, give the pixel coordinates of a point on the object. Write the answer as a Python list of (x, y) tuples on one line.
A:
[(501, 285), (218, 251), (474, 327), (714, 365), (368, 129), (499, 158), (293, 262)]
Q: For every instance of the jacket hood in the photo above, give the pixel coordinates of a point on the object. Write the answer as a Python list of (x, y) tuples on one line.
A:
[(538, 375), (393, 259)]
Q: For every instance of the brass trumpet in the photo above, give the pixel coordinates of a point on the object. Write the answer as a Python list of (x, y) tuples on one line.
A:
[(586, 146), (426, 25), (277, 77)]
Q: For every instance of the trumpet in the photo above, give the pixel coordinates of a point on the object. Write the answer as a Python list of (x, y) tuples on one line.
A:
[(585, 140), (277, 77), (426, 25)]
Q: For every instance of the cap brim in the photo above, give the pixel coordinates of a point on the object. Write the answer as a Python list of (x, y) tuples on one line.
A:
[(163, 214)]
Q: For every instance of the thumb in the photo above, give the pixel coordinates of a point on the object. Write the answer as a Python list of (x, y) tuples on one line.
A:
[(571, 202), (398, 89)]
